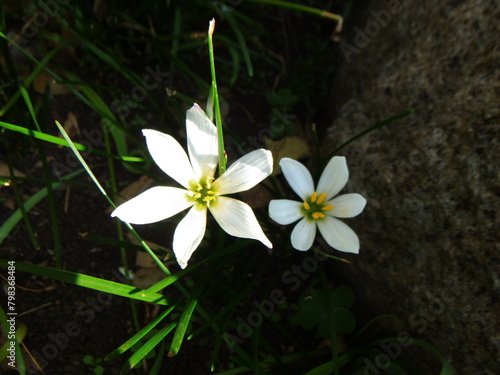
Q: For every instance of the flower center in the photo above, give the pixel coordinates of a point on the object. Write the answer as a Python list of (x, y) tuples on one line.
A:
[(202, 193), (314, 208)]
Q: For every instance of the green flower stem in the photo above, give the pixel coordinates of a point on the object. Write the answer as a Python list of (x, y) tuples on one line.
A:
[(218, 119), (110, 201)]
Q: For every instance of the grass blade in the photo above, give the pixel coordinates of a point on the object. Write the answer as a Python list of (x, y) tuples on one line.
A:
[(139, 335), (16, 217), (110, 201), (90, 282), (18, 337), (48, 179), (183, 323), (366, 131), (58, 141), (146, 348)]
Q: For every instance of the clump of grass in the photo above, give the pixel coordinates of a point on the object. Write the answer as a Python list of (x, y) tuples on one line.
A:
[(127, 68)]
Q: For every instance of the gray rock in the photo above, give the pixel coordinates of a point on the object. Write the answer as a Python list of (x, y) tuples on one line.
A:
[(429, 244)]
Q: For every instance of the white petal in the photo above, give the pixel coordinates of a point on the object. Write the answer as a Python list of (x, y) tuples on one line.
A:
[(202, 143), (347, 205), (238, 219), (303, 234), (334, 177), (169, 156), (285, 211), (188, 235), (298, 177), (245, 173), (338, 235), (155, 204)]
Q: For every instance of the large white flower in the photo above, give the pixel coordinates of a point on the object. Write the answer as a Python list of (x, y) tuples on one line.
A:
[(318, 208), (201, 192)]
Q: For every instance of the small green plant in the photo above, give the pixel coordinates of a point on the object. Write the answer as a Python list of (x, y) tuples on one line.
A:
[(95, 363)]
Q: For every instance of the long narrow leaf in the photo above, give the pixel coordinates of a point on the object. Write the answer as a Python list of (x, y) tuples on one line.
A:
[(63, 142), (90, 282), (146, 348), (183, 323), (17, 216), (368, 130), (110, 201), (139, 335)]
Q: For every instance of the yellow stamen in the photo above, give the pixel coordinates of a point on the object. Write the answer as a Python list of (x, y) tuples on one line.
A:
[(306, 206), (327, 208), (317, 215), (211, 192), (321, 198), (313, 197)]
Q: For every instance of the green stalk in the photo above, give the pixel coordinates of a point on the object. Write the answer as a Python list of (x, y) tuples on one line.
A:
[(218, 119), (119, 228), (20, 205), (110, 201), (47, 177)]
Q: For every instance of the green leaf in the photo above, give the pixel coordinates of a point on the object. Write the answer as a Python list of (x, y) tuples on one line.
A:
[(17, 216), (364, 132), (62, 142), (138, 336), (146, 348), (342, 297), (183, 323), (18, 336), (90, 282), (343, 320)]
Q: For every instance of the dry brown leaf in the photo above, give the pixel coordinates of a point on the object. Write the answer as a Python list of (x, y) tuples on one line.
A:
[(143, 259), (4, 171), (133, 190), (146, 277), (288, 147), (70, 126), (44, 79), (152, 245)]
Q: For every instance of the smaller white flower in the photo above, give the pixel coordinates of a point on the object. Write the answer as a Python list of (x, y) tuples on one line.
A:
[(201, 192), (318, 209)]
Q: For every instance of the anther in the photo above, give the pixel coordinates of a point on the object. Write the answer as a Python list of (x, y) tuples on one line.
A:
[(321, 198), (327, 208), (306, 206), (313, 197), (318, 215)]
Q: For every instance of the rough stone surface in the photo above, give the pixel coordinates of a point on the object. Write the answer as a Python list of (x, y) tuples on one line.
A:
[(429, 244)]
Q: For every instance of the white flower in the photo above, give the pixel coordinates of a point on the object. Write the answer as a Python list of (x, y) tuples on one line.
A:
[(317, 208), (201, 192)]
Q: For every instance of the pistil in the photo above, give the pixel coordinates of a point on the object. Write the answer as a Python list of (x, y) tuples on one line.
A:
[(314, 208), (202, 193)]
